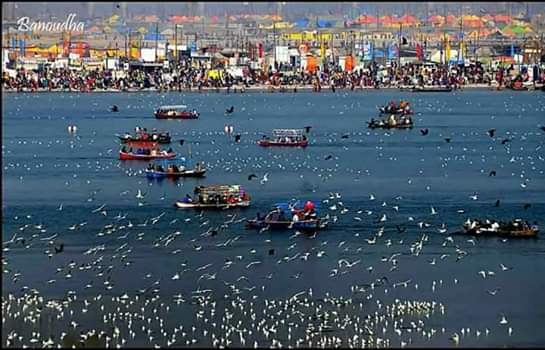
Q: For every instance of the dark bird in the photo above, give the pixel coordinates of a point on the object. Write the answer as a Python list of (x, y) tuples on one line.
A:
[(307, 129), (542, 128), (182, 142), (344, 136), (252, 176), (400, 230), (492, 173), (271, 251), (59, 249), (491, 132), (424, 131), (114, 108), (497, 203), (527, 206), (237, 138), (213, 233), (505, 141), (230, 110), (328, 157), (448, 139)]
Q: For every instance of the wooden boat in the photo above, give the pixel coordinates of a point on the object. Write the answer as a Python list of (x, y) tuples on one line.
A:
[(431, 88), (175, 112), (285, 138), (216, 197), (173, 168), (154, 154), (514, 229), (398, 109)]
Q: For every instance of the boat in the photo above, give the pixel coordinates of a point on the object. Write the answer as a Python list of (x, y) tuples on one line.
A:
[(285, 138), (176, 112), (143, 136), (392, 122), (431, 88), (514, 229), (145, 154), (302, 216), (173, 168), (215, 197), (403, 108), (517, 86)]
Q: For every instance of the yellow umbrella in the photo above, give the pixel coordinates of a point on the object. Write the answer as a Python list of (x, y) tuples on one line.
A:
[(142, 30)]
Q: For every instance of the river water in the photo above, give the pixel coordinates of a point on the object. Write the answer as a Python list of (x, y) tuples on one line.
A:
[(72, 189)]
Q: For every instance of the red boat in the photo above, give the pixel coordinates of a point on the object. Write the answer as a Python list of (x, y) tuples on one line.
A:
[(146, 154), (176, 112), (285, 138)]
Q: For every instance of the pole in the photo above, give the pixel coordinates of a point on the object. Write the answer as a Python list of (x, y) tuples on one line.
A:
[(399, 48), (156, 39), (176, 42), (274, 42)]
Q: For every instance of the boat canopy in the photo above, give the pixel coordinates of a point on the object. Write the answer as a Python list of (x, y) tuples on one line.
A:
[(288, 132), (172, 107), (167, 162), (220, 189)]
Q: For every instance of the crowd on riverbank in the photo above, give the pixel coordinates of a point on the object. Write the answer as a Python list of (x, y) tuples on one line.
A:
[(187, 78)]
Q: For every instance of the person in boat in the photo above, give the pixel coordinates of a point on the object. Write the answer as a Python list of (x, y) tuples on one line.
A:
[(170, 170), (175, 169), (169, 150), (231, 199), (304, 137), (124, 150), (187, 198), (160, 169), (150, 167), (392, 120), (198, 166)]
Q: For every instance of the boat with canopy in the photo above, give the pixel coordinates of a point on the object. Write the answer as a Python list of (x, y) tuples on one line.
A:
[(215, 197), (176, 112), (174, 168), (285, 138)]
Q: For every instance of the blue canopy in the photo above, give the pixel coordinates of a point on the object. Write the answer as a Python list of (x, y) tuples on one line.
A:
[(301, 23), (167, 162), (324, 23), (154, 36)]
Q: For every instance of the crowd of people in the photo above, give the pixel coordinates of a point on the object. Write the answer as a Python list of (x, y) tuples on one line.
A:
[(190, 78)]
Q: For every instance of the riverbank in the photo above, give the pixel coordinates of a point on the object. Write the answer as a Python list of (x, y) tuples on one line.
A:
[(260, 88)]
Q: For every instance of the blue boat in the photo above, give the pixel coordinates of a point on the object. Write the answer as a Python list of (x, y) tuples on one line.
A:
[(173, 168)]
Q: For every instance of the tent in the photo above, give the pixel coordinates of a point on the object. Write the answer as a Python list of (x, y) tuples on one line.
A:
[(168, 32), (325, 23), (301, 23), (365, 19)]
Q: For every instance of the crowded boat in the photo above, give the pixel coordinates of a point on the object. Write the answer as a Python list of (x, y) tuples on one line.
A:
[(516, 228), (142, 135), (286, 138), (394, 121), (215, 197), (403, 107), (145, 153), (290, 216), (176, 112), (173, 168)]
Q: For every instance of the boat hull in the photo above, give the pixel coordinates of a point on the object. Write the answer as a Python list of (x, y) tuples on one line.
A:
[(132, 156), (180, 115), (183, 205), (376, 126), (528, 233), (303, 225), (153, 174), (267, 143), (432, 89)]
